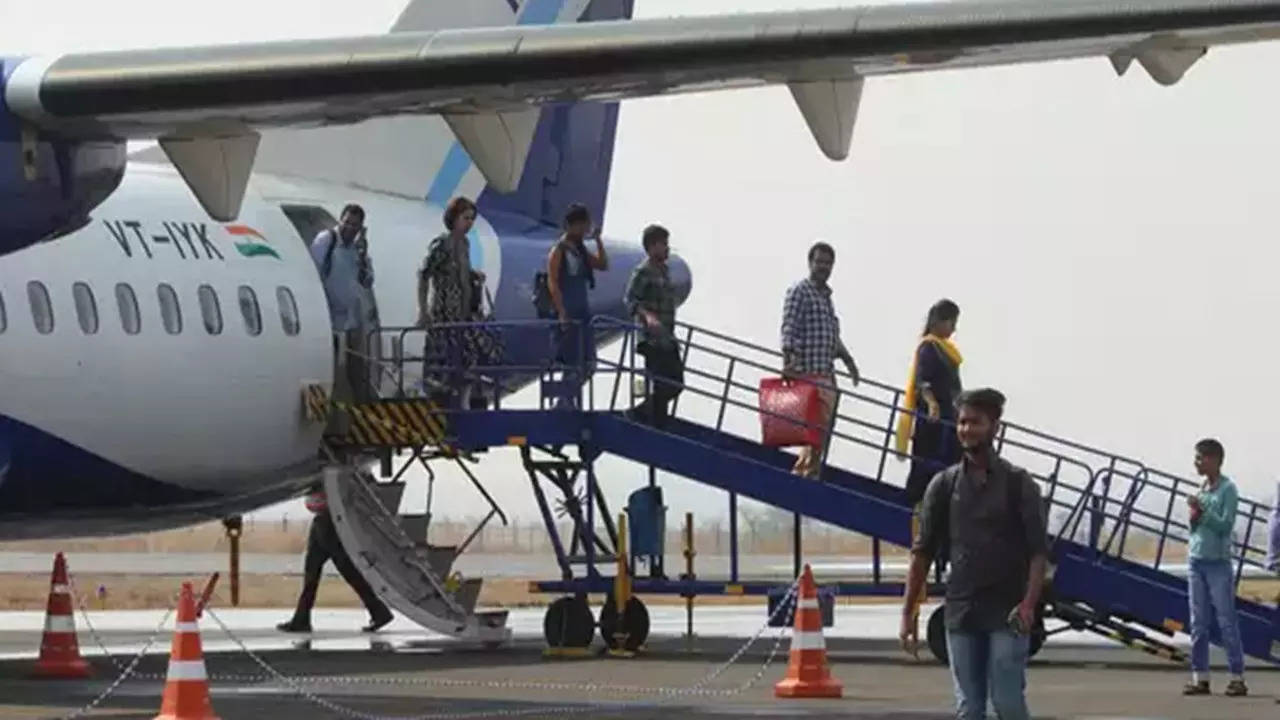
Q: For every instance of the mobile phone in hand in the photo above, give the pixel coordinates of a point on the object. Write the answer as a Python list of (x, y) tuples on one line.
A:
[(1015, 622)]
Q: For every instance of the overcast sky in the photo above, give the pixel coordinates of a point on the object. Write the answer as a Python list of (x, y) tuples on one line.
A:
[(1110, 241)]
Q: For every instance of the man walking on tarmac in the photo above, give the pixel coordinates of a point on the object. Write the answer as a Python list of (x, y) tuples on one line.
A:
[(1211, 582), (987, 515), (323, 545)]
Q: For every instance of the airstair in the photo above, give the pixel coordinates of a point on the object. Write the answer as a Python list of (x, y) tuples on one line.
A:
[(1118, 531), (390, 548)]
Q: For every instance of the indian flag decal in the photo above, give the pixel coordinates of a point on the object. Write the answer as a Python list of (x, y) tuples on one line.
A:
[(250, 243)]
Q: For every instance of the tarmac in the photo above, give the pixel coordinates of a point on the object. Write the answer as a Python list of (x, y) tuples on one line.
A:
[(403, 671)]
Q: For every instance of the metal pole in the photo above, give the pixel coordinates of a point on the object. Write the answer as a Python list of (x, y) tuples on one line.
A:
[(589, 535), (688, 570), (888, 436), (657, 562), (733, 537), (795, 545), (875, 559)]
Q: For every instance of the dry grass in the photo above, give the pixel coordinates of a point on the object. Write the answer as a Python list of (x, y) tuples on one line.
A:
[(124, 592), (290, 537), (1266, 592), (273, 537), (31, 592)]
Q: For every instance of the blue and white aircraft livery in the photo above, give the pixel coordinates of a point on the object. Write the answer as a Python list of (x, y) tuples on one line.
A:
[(160, 313)]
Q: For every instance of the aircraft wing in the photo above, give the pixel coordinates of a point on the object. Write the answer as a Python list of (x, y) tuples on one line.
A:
[(206, 102)]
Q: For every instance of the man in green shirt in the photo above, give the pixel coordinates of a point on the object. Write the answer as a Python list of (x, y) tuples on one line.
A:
[(1211, 579), (652, 298)]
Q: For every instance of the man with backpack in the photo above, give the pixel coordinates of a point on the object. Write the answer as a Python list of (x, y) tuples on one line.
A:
[(341, 254), (986, 515), (571, 269)]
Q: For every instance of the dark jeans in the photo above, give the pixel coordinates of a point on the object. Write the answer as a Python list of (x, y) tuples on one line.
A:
[(323, 545), (667, 380), (574, 347)]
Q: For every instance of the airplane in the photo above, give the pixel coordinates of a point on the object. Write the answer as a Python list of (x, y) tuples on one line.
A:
[(159, 312)]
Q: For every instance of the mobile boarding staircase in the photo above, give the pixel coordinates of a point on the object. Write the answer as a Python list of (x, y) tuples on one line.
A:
[(389, 547), (1117, 527)]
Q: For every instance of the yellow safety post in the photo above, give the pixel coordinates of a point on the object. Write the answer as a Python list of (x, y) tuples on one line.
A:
[(622, 590), (234, 526)]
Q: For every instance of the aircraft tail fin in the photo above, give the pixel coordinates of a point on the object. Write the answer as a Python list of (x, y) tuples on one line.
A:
[(571, 155)]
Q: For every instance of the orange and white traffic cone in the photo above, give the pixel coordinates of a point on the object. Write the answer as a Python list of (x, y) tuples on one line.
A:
[(186, 688), (807, 673), (59, 649)]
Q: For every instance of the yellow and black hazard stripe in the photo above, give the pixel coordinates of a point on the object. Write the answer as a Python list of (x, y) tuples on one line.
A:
[(396, 423), (1146, 645), (385, 423), (315, 403)]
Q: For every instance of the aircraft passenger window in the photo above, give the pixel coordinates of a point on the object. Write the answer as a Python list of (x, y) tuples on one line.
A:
[(86, 308), (288, 311), (170, 312), (127, 301), (210, 310), (41, 307), (249, 310)]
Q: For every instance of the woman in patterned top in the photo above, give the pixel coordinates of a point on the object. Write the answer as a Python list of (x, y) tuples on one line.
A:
[(449, 292)]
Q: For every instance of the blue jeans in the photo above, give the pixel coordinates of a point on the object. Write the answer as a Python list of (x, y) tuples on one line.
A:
[(1213, 597), (989, 665)]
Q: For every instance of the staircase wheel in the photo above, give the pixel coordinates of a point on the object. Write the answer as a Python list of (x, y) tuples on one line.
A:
[(634, 622), (936, 634), (568, 623)]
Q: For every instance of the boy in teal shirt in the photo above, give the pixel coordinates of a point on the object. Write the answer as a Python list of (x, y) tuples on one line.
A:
[(1211, 580)]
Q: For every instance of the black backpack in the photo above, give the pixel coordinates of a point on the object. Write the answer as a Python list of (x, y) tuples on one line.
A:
[(543, 308), (326, 267), (1013, 510)]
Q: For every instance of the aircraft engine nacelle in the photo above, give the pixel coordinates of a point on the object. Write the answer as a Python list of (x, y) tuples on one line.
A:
[(49, 184)]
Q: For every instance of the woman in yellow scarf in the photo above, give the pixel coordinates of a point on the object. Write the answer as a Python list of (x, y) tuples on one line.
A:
[(933, 384)]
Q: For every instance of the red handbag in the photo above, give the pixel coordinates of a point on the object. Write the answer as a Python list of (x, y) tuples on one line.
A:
[(790, 413)]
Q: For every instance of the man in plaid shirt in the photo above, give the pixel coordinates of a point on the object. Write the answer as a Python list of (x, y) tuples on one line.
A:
[(811, 343)]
